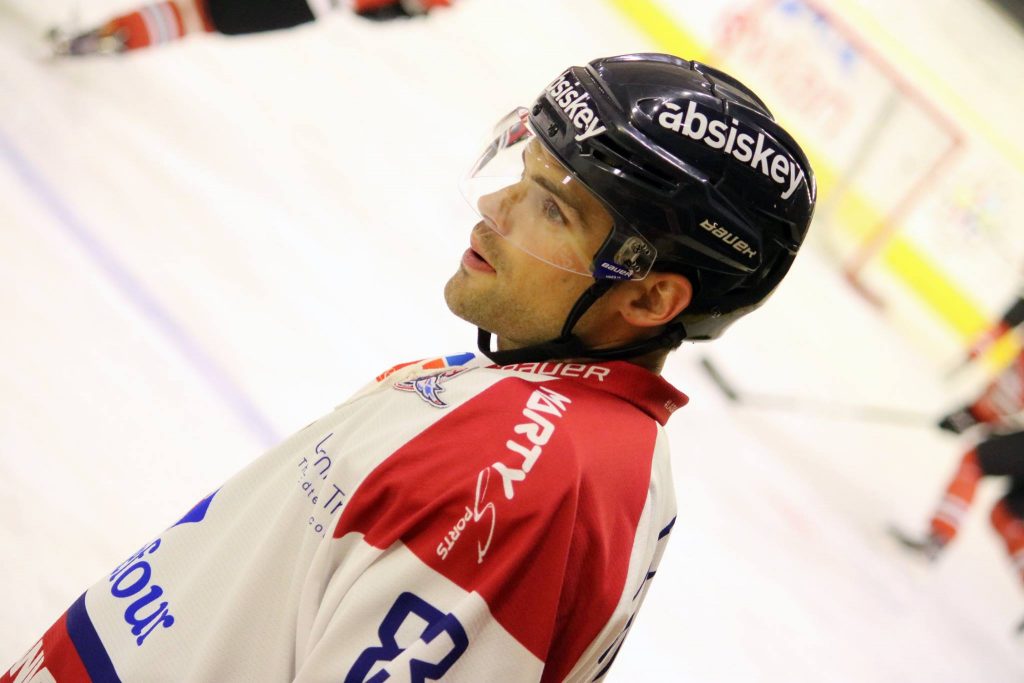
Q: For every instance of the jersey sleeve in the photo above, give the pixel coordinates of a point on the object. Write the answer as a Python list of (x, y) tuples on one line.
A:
[(1002, 401), (498, 545)]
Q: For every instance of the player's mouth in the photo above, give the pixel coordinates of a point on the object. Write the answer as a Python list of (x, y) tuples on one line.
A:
[(475, 258)]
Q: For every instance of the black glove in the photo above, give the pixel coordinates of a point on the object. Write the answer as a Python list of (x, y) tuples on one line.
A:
[(958, 421)]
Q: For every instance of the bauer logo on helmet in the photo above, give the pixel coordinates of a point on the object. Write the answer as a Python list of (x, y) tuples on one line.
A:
[(728, 238)]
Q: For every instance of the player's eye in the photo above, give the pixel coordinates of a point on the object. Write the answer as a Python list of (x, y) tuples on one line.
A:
[(553, 213)]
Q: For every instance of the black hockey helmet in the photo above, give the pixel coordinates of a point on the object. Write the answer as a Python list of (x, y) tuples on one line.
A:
[(698, 178)]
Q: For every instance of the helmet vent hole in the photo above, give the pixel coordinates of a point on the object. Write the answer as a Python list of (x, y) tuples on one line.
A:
[(611, 154)]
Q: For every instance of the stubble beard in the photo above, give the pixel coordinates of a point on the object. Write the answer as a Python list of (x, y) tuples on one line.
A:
[(491, 309)]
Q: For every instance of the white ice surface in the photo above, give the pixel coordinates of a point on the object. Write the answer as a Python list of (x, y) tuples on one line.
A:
[(203, 248)]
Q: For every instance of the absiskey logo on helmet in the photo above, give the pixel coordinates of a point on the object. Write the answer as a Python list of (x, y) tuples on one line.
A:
[(743, 147), (572, 99)]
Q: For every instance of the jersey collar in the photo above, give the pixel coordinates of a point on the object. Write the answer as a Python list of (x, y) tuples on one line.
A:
[(650, 392)]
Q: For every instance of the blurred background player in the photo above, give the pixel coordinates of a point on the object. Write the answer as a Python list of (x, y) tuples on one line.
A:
[(998, 411), (1000, 405), (168, 21)]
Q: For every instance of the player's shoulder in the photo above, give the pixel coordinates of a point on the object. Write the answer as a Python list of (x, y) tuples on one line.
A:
[(574, 431), (528, 398)]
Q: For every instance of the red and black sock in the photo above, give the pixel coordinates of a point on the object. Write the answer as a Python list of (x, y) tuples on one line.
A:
[(957, 499), (154, 24)]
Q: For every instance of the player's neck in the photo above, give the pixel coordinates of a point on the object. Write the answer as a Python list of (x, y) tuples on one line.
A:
[(653, 361)]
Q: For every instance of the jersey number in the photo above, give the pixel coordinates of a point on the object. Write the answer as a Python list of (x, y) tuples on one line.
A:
[(410, 620)]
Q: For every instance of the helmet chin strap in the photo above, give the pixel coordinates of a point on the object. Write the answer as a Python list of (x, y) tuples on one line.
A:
[(568, 345)]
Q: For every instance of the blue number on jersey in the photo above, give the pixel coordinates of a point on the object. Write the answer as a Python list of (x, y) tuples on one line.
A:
[(436, 622)]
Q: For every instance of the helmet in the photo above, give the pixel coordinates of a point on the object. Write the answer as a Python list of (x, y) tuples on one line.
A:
[(692, 160), (698, 177)]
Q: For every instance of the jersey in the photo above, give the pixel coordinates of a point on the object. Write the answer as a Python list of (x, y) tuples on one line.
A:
[(452, 521), (1001, 404)]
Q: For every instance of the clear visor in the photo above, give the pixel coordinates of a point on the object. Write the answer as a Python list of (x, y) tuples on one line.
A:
[(525, 195)]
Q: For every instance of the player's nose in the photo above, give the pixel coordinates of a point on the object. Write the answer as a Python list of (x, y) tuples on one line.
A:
[(489, 204), (494, 207)]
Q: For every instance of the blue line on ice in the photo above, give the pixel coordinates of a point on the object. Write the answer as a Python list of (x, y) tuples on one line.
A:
[(137, 295)]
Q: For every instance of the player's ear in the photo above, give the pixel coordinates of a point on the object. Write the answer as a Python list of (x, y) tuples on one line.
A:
[(656, 300)]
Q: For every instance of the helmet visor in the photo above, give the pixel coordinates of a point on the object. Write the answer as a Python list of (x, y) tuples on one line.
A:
[(524, 194)]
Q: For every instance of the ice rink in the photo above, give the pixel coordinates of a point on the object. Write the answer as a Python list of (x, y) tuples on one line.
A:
[(204, 247)]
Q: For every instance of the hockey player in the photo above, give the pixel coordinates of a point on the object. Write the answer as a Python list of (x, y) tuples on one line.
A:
[(171, 20), (495, 517), (999, 404), (1000, 452), (997, 455)]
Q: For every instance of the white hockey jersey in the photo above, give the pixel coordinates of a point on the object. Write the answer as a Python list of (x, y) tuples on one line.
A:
[(454, 521)]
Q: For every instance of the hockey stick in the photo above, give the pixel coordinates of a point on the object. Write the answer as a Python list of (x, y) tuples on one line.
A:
[(832, 409)]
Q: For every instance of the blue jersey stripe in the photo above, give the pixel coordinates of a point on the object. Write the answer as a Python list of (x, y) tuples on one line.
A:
[(88, 644), (198, 512), (667, 530)]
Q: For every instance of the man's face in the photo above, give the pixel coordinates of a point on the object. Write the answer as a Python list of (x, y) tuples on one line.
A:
[(521, 274)]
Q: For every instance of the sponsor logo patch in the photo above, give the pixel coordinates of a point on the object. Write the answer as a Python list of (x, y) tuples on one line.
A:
[(730, 138), (481, 511), (129, 582), (537, 430), (30, 668), (574, 102), (598, 372), (429, 387)]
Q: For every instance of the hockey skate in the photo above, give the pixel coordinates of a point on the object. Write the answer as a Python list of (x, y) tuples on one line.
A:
[(99, 41), (930, 546)]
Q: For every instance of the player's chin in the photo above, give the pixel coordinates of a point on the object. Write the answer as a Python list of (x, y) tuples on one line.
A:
[(456, 296), (470, 299)]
